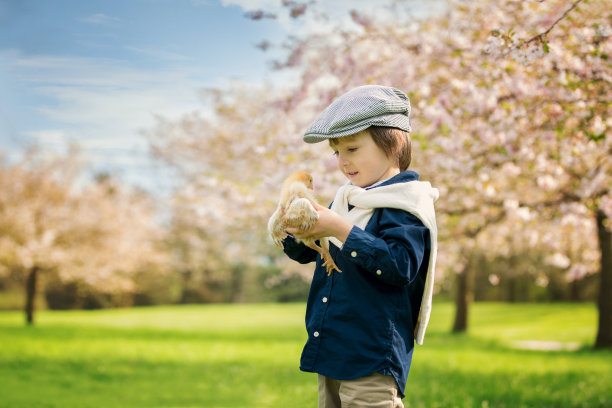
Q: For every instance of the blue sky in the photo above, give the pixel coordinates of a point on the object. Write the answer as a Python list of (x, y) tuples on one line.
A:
[(96, 72)]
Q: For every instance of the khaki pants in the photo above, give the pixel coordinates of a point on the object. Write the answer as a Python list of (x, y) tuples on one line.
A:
[(373, 391)]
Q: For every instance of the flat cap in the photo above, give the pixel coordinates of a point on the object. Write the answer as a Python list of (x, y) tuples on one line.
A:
[(358, 109)]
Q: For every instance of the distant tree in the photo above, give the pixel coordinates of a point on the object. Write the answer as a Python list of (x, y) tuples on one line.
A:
[(51, 220), (232, 160)]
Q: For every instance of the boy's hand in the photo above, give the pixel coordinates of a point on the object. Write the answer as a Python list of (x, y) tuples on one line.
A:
[(330, 224)]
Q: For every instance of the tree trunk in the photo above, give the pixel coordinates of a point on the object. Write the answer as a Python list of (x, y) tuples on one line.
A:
[(31, 294), (512, 280), (574, 291), (465, 295), (604, 329), (237, 283), (512, 290)]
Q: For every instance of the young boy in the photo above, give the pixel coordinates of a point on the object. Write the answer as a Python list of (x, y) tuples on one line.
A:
[(362, 323)]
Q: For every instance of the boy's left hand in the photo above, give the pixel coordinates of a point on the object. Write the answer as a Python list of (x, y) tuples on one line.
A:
[(330, 224)]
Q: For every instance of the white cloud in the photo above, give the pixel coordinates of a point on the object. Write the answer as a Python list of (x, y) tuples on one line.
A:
[(157, 53), (54, 137), (103, 105), (202, 2), (270, 5), (98, 18), (338, 12), (99, 92)]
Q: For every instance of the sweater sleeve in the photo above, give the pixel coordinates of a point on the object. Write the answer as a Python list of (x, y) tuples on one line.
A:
[(394, 251)]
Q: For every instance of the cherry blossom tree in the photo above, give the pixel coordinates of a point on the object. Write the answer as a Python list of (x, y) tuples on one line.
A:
[(51, 220), (511, 118), (232, 160), (502, 123)]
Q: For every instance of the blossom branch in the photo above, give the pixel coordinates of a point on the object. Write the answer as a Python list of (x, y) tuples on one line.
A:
[(522, 49), (541, 36)]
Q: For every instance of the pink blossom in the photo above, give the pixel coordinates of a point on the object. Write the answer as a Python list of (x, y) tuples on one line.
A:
[(559, 260)]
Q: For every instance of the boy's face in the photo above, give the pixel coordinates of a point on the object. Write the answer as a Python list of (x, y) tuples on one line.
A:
[(362, 161)]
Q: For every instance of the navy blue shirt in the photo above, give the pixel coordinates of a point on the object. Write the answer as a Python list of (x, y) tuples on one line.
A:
[(361, 321)]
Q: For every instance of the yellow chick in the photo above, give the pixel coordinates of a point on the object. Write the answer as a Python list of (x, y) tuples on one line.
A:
[(296, 210)]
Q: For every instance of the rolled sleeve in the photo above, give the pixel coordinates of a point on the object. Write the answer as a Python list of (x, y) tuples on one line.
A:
[(394, 253)]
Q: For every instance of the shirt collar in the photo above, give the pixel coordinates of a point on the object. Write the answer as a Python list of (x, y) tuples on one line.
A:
[(403, 177)]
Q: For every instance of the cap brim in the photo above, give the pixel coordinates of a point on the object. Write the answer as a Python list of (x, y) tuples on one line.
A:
[(394, 120)]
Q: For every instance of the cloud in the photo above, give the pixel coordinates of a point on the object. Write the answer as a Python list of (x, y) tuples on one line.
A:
[(306, 23), (270, 5), (54, 137), (96, 91), (338, 11), (202, 2), (103, 105), (157, 53), (98, 19)]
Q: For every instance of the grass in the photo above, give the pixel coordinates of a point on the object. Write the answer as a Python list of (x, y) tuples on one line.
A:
[(220, 356)]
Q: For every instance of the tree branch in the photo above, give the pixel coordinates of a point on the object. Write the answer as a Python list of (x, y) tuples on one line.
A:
[(540, 37)]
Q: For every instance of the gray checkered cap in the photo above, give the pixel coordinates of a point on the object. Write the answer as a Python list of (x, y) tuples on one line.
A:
[(358, 109)]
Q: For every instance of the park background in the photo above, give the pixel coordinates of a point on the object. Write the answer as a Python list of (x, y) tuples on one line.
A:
[(511, 118)]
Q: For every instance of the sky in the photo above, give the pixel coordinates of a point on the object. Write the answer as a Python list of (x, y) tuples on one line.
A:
[(97, 72)]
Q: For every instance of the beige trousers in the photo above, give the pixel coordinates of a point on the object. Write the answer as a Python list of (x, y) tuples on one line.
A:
[(373, 391)]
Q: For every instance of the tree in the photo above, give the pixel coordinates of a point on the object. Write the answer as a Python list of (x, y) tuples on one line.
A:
[(95, 233), (528, 130), (232, 161), (574, 75), (501, 124)]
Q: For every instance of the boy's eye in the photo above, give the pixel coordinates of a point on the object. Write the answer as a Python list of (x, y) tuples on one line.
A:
[(348, 149)]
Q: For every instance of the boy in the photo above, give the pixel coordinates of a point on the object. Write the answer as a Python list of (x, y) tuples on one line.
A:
[(362, 322)]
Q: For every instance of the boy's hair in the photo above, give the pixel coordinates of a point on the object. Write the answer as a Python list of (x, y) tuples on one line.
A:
[(394, 142)]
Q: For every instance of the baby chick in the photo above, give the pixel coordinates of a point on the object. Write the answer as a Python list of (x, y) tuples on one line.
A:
[(295, 210)]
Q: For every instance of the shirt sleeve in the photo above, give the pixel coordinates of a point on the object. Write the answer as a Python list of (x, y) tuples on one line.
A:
[(393, 252), (298, 251)]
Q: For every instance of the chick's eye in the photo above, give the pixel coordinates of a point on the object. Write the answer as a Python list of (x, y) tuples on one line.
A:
[(335, 153)]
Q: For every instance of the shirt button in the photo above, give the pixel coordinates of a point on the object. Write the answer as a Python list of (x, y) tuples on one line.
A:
[(324, 300), (379, 272), (316, 334), (353, 254)]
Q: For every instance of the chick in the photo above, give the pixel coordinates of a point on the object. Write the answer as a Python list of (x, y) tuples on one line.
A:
[(295, 210)]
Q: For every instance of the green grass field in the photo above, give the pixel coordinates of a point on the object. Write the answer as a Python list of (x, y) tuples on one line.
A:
[(247, 356)]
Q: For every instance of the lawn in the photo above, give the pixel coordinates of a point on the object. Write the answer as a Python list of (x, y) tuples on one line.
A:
[(525, 355)]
